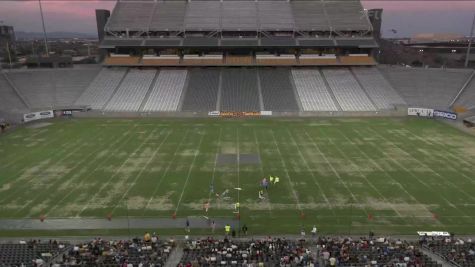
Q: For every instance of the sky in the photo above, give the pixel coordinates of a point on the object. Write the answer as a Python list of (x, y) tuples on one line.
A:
[(407, 17)]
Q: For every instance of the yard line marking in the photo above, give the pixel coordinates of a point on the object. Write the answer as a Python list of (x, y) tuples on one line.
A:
[(215, 163), (117, 171), (315, 180), (129, 136), (286, 172), (262, 168), (388, 174), (361, 173), (447, 152), (417, 178), (189, 172), (238, 167), (78, 163), (53, 153), (423, 164), (152, 157), (162, 177), (333, 169)]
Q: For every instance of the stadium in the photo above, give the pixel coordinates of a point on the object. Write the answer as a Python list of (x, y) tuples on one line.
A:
[(215, 123)]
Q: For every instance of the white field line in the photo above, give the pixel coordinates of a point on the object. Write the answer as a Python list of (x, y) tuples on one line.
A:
[(78, 163), (362, 175), (20, 156), (388, 174), (315, 180), (424, 165), (286, 172), (150, 159), (334, 170), (54, 153), (213, 176), (162, 177), (447, 152), (117, 171), (419, 180), (262, 169), (189, 173), (238, 167), (90, 173)]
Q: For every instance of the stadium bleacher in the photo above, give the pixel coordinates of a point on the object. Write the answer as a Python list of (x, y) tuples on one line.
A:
[(30, 253), (132, 91), (347, 91), (277, 91), (166, 91), (202, 91), (379, 90), (467, 98), (52, 88), (240, 90), (430, 88), (101, 88), (312, 91), (10, 101)]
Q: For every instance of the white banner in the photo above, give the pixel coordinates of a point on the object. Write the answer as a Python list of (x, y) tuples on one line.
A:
[(47, 114), (214, 113), (266, 113), (433, 233), (420, 112)]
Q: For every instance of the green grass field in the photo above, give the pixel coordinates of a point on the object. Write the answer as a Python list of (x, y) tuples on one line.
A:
[(386, 175)]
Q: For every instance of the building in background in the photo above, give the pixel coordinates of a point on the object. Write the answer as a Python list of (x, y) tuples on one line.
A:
[(7, 43)]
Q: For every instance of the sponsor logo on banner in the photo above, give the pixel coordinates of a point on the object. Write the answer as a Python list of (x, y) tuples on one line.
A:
[(38, 115), (240, 114), (421, 112), (266, 113), (213, 113), (433, 233), (67, 112), (445, 114)]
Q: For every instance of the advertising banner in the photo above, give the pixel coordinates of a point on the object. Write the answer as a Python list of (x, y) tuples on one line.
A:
[(47, 114)]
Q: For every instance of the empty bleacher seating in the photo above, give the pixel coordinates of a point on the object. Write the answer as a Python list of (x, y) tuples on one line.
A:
[(466, 99), (202, 91), (379, 90), (101, 88), (9, 100), (347, 91), (52, 88), (277, 91), (166, 92), (312, 91), (31, 253), (429, 88), (131, 91), (239, 90)]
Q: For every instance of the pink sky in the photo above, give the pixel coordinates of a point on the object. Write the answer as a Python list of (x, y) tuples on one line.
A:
[(408, 17)]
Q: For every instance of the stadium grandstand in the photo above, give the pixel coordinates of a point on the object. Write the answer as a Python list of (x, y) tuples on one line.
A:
[(209, 117)]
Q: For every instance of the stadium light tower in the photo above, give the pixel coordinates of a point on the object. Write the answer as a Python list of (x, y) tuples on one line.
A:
[(44, 29), (470, 43)]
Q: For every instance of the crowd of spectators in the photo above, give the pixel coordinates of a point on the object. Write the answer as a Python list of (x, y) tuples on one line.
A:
[(261, 252), (370, 252), (455, 250), (146, 252)]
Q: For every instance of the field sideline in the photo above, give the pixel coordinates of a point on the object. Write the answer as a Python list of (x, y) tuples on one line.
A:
[(344, 175)]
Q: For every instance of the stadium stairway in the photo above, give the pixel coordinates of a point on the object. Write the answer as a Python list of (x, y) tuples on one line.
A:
[(465, 98)]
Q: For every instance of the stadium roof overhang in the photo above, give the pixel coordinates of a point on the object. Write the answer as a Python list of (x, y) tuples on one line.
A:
[(194, 42), (261, 18)]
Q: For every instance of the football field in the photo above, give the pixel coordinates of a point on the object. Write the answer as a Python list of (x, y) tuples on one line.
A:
[(344, 175)]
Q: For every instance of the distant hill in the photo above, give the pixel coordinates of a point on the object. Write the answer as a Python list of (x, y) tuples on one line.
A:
[(20, 35)]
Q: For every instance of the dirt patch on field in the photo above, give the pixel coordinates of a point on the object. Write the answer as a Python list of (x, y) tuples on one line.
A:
[(37, 125), (160, 203), (5, 187)]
